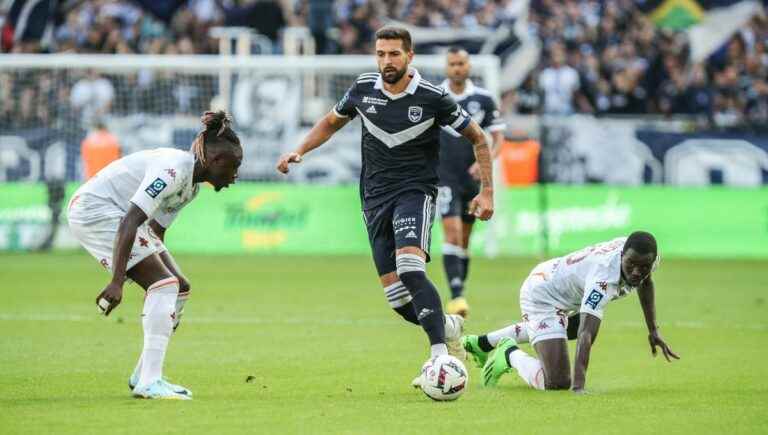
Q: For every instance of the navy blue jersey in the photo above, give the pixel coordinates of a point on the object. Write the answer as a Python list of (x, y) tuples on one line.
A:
[(456, 152), (400, 134)]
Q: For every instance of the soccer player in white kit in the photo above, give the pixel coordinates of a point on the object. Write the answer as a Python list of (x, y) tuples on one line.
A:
[(582, 282), (120, 216)]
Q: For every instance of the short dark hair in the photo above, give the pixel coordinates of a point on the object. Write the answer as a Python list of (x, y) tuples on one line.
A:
[(641, 242), (456, 49), (392, 32)]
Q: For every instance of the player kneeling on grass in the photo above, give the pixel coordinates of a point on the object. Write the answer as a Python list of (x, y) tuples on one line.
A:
[(120, 217), (582, 282)]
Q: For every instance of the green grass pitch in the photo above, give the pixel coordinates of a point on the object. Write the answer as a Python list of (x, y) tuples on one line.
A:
[(326, 355)]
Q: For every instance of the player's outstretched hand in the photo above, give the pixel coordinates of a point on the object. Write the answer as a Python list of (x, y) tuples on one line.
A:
[(287, 159), (482, 205), (654, 339), (109, 298)]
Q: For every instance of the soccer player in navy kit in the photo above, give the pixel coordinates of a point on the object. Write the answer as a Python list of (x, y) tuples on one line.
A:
[(401, 118), (460, 173)]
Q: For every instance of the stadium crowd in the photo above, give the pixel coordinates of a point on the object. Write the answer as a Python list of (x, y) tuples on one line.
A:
[(600, 57)]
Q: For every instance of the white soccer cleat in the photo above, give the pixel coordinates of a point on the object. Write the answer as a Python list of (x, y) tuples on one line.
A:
[(158, 390), (454, 329), (134, 379)]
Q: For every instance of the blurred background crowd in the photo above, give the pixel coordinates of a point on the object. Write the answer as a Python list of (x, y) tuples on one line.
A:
[(603, 57)]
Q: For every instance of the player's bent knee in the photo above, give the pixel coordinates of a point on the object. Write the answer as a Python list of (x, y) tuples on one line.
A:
[(184, 285)]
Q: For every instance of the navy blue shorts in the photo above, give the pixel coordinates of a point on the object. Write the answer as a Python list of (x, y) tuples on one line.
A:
[(453, 200), (404, 221)]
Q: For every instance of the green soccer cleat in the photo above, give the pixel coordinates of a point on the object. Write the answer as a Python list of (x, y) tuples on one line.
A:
[(497, 365), (469, 343)]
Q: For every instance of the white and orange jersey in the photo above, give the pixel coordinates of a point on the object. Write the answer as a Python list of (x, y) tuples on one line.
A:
[(582, 281), (158, 181)]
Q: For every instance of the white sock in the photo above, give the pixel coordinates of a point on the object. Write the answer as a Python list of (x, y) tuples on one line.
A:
[(528, 368), (517, 331), (180, 302), (159, 308), (438, 349)]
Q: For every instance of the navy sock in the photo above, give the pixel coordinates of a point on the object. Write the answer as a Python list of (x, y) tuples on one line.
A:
[(453, 273), (426, 301), (408, 312), (464, 268), (484, 344)]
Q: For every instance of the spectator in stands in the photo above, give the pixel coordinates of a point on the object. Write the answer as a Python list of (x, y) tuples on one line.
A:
[(559, 84), (92, 96)]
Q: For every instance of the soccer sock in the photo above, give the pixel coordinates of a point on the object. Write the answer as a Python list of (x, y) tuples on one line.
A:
[(516, 331), (157, 321), (452, 262), (527, 367), (181, 300), (465, 266), (426, 300), (400, 300)]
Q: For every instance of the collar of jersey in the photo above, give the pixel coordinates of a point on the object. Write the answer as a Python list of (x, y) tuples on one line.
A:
[(410, 89), (469, 89)]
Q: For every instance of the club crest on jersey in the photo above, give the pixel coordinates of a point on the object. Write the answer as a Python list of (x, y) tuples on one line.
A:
[(414, 113), (593, 299), (473, 107), (156, 187)]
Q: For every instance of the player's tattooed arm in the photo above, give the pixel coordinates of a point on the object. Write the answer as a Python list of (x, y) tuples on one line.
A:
[(647, 294), (482, 204), (126, 234), (318, 135), (589, 325), (475, 134)]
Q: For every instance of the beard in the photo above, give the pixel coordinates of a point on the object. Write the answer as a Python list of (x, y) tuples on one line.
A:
[(392, 74)]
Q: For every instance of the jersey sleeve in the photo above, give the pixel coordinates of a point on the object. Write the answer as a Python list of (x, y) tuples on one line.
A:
[(492, 120), (165, 219), (595, 294), (159, 182), (451, 114), (345, 108)]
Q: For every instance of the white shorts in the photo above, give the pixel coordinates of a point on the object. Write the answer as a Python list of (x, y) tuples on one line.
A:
[(543, 321), (94, 222)]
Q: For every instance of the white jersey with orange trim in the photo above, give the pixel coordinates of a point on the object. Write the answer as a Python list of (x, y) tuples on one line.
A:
[(582, 281), (158, 181)]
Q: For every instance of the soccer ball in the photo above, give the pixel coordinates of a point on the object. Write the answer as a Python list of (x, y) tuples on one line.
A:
[(444, 378)]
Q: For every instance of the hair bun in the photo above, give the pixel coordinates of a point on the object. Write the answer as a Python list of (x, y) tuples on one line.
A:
[(216, 121)]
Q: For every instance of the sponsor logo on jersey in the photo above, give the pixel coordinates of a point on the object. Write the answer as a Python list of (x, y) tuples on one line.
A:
[(593, 299), (156, 187), (603, 285), (171, 173), (371, 109), (411, 235), (414, 113), (374, 100), (143, 242), (542, 326)]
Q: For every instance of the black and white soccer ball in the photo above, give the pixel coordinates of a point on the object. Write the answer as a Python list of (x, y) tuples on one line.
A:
[(444, 378)]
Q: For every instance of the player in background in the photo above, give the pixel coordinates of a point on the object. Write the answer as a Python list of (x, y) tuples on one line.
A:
[(583, 281), (401, 116), (120, 216), (460, 173)]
